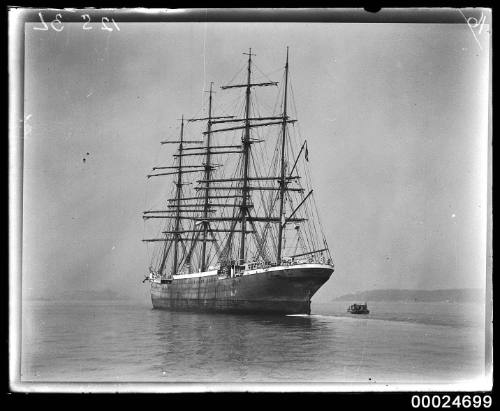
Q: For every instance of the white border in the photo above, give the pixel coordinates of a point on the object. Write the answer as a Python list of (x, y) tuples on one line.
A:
[(16, 128), (16, 119)]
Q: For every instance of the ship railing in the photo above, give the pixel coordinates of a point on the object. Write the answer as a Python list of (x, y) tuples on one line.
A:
[(310, 260), (239, 269), (254, 265), (287, 261)]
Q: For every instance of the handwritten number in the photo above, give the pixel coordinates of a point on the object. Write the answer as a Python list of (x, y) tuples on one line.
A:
[(45, 27), (473, 23), (483, 18), (87, 22), (116, 25), (57, 24), (104, 27), (55, 21), (476, 23)]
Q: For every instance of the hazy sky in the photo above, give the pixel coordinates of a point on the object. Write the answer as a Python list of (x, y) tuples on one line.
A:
[(395, 116)]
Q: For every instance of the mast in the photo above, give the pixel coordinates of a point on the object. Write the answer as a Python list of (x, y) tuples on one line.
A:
[(246, 155), (283, 180), (192, 218), (208, 173), (178, 197)]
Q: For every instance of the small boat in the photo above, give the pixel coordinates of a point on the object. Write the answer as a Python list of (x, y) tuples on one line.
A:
[(358, 309)]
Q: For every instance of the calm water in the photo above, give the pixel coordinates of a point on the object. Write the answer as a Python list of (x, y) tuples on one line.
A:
[(117, 342)]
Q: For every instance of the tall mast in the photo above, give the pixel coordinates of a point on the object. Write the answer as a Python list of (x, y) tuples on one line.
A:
[(178, 197), (246, 154), (208, 169), (282, 180)]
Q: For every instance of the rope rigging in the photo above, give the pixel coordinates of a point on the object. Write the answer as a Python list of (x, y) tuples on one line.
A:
[(238, 206)]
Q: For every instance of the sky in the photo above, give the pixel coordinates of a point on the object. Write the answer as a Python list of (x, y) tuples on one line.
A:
[(395, 115)]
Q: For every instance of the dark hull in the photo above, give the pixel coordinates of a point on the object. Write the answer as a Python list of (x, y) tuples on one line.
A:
[(277, 291)]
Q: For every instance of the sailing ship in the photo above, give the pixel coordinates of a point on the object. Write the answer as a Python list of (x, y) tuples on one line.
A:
[(240, 232)]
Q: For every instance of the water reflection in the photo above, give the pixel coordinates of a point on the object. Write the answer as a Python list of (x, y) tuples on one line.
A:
[(71, 342), (250, 347)]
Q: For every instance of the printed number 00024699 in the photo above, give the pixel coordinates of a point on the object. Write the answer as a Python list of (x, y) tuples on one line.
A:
[(445, 401)]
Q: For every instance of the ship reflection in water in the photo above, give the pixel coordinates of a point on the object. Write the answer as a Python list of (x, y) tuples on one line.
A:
[(295, 348), (231, 348), (419, 343)]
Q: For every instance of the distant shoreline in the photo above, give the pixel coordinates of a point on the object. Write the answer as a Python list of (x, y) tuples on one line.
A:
[(459, 295), (89, 300), (83, 296)]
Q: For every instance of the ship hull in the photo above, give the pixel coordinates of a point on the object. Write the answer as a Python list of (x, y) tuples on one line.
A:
[(277, 290)]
